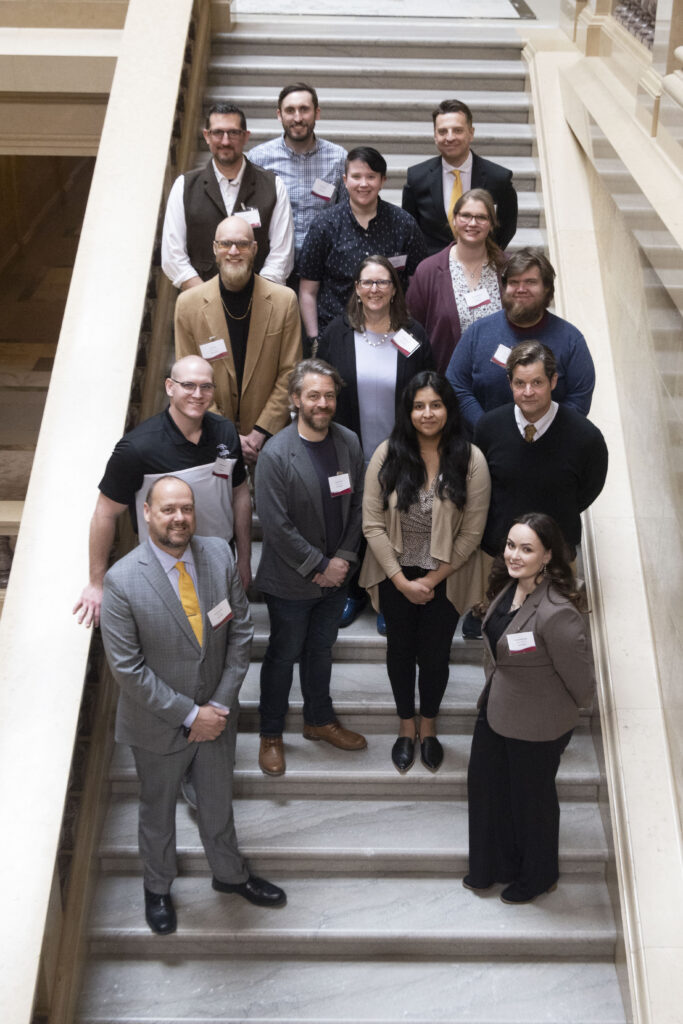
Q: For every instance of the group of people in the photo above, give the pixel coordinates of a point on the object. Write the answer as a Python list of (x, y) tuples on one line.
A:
[(432, 450)]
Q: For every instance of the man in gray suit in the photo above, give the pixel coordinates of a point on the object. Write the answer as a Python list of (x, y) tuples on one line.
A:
[(177, 633), (309, 489)]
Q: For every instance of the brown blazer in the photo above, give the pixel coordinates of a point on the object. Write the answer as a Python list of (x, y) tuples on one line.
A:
[(455, 533), (273, 350), (536, 694)]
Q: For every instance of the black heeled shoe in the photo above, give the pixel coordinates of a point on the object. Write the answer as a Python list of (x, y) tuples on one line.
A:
[(431, 753), (403, 753)]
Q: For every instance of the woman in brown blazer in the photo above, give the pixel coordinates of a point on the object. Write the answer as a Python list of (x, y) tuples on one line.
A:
[(539, 673)]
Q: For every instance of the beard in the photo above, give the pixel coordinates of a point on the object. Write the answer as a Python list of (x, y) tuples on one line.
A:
[(522, 314), (235, 276)]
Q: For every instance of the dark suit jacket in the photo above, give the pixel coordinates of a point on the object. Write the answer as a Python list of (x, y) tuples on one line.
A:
[(423, 198), (337, 347), (536, 694)]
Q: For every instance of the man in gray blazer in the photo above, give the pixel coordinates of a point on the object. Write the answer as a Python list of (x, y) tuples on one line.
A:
[(309, 489), (177, 634)]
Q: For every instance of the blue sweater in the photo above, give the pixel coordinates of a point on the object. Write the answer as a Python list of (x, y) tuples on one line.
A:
[(482, 385)]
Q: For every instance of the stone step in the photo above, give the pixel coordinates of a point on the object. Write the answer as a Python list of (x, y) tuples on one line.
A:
[(359, 918), (285, 836), (448, 76), (292, 990), (328, 772)]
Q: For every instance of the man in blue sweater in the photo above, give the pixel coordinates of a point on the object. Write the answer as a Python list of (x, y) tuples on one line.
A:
[(477, 367)]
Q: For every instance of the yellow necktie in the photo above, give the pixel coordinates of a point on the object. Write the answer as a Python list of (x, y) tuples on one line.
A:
[(190, 601), (529, 432), (456, 192)]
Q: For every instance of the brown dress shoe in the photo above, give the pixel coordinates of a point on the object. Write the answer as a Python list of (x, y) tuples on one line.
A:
[(271, 755), (336, 735)]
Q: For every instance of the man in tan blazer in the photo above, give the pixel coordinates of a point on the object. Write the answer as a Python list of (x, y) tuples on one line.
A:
[(250, 331)]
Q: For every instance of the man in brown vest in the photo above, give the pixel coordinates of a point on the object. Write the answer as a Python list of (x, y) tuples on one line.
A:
[(229, 183)]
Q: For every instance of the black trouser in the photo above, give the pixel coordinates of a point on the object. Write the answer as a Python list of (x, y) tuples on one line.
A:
[(514, 813), (418, 636)]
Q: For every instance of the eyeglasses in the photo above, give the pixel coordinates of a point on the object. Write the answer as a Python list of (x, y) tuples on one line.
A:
[(366, 284), (218, 133), (227, 243), (480, 218), (189, 387)]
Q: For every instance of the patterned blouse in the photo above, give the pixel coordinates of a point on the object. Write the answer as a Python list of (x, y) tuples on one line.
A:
[(489, 280)]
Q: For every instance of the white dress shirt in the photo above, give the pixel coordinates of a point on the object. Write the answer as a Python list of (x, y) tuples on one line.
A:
[(448, 178), (175, 261), (541, 425)]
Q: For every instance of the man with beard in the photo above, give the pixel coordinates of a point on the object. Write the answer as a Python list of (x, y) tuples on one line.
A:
[(477, 367), (249, 329), (228, 184), (309, 490), (177, 634), (311, 168)]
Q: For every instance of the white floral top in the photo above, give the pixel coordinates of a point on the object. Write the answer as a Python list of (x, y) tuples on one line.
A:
[(488, 280)]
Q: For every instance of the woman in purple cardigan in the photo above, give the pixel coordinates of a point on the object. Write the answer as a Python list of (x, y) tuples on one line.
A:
[(461, 284)]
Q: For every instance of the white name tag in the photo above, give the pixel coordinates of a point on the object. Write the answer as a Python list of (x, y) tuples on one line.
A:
[(339, 484), (405, 342), (477, 298), (224, 467), (251, 216), (521, 642), (399, 261), (213, 349), (500, 356), (323, 189), (220, 614)]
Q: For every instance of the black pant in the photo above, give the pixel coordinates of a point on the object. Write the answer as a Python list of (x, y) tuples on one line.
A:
[(418, 635), (514, 813)]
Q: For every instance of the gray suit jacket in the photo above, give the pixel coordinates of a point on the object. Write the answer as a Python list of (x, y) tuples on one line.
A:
[(536, 694), (153, 652), (289, 505)]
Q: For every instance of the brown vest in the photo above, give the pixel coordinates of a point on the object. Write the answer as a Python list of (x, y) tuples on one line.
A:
[(204, 210)]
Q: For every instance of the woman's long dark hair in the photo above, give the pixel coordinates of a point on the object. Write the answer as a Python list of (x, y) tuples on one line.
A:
[(404, 471), (558, 570)]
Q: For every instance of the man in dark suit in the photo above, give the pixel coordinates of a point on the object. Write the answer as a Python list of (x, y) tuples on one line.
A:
[(309, 490), (177, 634), (434, 186)]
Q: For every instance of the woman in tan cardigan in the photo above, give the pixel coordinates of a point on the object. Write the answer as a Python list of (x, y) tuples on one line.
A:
[(424, 508)]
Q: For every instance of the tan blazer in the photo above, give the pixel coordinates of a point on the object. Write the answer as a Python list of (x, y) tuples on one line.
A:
[(536, 694), (273, 350), (455, 533)]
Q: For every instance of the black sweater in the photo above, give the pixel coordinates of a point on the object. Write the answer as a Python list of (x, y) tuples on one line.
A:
[(561, 474)]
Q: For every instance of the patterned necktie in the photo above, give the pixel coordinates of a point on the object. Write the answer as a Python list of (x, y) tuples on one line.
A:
[(190, 601), (456, 192), (529, 432)]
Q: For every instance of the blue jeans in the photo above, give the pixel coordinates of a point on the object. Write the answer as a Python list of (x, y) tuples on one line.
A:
[(302, 631)]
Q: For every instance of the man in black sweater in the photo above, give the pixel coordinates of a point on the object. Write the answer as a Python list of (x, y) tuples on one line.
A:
[(542, 457)]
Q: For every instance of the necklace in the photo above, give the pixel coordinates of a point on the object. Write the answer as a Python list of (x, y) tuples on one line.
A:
[(375, 344), (232, 315)]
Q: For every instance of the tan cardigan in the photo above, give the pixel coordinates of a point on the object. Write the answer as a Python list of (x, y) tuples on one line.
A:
[(455, 534)]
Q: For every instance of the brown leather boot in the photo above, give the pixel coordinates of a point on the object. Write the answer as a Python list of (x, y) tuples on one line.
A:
[(335, 734), (271, 755)]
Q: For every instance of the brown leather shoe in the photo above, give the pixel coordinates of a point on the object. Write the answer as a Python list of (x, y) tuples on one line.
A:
[(336, 735), (271, 755)]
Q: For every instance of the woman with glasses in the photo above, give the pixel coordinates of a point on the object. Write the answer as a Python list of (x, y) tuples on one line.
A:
[(461, 284), (377, 348)]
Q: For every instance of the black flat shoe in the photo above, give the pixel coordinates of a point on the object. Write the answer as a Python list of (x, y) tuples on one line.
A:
[(403, 753), (513, 894), (431, 753), (256, 890), (467, 882), (160, 913)]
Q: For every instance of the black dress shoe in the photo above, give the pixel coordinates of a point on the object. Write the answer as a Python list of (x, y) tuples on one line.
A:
[(431, 753), (160, 912), (471, 627), (256, 890), (403, 753)]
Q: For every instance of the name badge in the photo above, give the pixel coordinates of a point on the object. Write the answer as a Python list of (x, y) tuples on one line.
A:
[(500, 356), (223, 467), (405, 342), (340, 483), (251, 215), (221, 613), (477, 298), (521, 642), (323, 189), (399, 261), (212, 349)]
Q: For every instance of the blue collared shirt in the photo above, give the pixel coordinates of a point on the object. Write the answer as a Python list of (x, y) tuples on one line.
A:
[(299, 171)]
